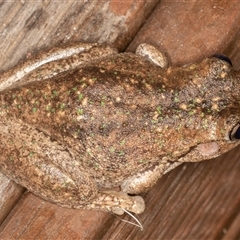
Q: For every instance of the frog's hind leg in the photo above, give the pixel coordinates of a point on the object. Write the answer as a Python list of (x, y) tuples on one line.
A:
[(51, 171), (142, 182), (47, 64), (152, 54)]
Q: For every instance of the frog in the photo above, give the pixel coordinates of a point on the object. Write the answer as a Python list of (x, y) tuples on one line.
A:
[(87, 127)]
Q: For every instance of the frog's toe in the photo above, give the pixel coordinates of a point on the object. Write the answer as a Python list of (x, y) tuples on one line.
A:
[(133, 204), (137, 206)]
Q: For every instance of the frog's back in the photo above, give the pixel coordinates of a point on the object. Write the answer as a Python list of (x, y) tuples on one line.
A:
[(118, 114), (106, 112)]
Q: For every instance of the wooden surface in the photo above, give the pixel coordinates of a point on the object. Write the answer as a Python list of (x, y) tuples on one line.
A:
[(195, 200)]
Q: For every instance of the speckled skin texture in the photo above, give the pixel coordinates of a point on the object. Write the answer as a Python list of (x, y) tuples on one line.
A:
[(78, 128)]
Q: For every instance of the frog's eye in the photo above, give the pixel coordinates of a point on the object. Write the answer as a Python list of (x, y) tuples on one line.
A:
[(223, 57), (235, 133)]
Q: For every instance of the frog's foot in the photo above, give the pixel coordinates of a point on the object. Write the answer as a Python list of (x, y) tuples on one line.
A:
[(142, 182), (117, 202), (152, 54)]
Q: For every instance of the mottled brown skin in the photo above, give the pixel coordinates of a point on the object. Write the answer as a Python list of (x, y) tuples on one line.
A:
[(118, 121)]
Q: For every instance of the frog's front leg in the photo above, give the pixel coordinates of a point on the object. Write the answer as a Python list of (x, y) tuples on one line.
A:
[(50, 63), (142, 182), (117, 202)]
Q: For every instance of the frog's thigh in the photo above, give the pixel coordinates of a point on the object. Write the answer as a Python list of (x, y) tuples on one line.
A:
[(50, 63), (152, 54), (49, 181), (142, 182), (64, 59)]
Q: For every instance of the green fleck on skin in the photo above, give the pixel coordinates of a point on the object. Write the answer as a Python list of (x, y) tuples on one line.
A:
[(31, 154), (62, 106), (80, 96), (191, 113), (121, 153), (80, 111), (55, 93), (159, 110), (112, 149)]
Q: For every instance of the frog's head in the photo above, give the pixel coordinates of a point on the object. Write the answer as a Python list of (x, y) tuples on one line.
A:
[(208, 102), (225, 105)]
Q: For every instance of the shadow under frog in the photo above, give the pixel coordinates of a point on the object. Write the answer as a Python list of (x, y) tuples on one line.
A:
[(80, 121)]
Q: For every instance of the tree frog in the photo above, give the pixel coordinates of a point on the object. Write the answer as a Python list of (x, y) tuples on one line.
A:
[(84, 126)]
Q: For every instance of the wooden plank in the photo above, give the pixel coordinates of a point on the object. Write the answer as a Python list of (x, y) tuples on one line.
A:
[(10, 193), (33, 218), (27, 26), (189, 31)]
